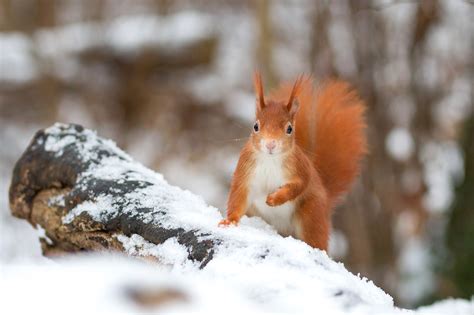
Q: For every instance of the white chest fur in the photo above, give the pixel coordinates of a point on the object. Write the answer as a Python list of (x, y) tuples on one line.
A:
[(268, 176)]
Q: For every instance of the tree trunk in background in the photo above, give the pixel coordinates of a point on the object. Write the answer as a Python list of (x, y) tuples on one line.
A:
[(5, 15), (321, 54), (94, 11), (264, 43), (460, 230), (367, 217), (46, 13)]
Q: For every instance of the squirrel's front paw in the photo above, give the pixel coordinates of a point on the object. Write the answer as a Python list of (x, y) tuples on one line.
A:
[(275, 199), (227, 222)]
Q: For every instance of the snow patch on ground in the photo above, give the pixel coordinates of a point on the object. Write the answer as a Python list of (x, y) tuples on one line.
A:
[(107, 284), (448, 307)]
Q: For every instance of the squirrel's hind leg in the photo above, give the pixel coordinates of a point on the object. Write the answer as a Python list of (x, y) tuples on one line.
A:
[(313, 224)]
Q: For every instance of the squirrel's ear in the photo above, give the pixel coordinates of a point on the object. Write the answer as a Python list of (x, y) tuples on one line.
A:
[(293, 103), (257, 82), (293, 109)]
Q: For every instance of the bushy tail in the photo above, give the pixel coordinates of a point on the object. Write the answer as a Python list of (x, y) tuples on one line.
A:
[(330, 127)]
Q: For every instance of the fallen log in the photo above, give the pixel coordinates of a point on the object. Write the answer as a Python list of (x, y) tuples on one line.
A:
[(88, 195), (67, 168)]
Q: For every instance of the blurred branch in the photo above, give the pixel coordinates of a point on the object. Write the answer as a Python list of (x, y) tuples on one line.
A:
[(427, 14)]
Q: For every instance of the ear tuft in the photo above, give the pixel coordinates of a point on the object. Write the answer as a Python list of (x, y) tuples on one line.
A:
[(294, 107), (257, 82), (293, 103)]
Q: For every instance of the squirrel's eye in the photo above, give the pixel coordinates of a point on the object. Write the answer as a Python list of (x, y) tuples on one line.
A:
[(289, 129), (255, 127)]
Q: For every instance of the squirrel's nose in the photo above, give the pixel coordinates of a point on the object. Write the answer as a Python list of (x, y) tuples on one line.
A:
[(271, 144)]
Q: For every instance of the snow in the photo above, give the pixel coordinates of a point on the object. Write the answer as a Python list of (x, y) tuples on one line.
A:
[(253, 268), (338, 244), (95, 208), (16, 63), (126, 34), (103, 284), (129, 34), (399, 143), (443, 164), (13, 139), (413, 262), (57, 47), (59, 141), (449, 306), (241, 105), (53, 145), (169, 253)]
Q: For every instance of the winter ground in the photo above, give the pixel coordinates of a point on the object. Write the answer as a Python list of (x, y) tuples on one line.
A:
[(291, 278), (105, 284)]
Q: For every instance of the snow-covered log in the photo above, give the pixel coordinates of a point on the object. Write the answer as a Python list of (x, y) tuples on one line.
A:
[(88, 195)]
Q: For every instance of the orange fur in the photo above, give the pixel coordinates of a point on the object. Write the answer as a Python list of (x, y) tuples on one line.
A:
[(318, 160), (237, 202), (330, 130)]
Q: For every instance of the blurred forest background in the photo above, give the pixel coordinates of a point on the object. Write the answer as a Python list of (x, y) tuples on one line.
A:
[(170, 82)]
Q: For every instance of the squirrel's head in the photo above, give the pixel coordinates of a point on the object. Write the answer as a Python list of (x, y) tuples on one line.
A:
[(274, 129)]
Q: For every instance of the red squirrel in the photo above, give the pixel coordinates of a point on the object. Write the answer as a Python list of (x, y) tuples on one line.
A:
[(302, 156)]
